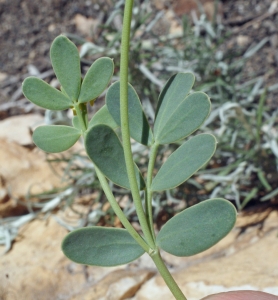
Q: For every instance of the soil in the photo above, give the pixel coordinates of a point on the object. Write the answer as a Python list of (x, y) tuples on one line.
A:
[(257, 20), (28, 27)]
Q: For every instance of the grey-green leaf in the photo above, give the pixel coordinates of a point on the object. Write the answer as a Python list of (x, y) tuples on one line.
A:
[(184, 162), (44, 95), (197, 228), (66, 64), (173, 93), (138, 124), (106, 151), (96, 79), (76, 123), (103, 116), (100, 246), (170, 109), (187, 117), (55, 138)]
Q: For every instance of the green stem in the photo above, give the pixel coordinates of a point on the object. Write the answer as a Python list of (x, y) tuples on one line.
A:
[(149, 193), (81, 111), (125, 124), (166, 275), (146, 228), (118, 211)]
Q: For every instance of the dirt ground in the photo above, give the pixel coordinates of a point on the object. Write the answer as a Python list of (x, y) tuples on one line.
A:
[(28, 27)]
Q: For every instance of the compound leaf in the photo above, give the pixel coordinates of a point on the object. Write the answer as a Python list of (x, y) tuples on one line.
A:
[(103, 116), (187, 117), (176, 116), (174, 92), (197, 228), (55, 138), (96, 79), (106, 151), (138, 124), (66, 64), (99, 246), (44, 95), (184, 162)]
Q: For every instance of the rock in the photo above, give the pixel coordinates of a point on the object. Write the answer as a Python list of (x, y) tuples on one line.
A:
[(36, 268), (168, 24), (18, 128), (23, 171), (251, 263), (23, 168), (85, 25), (117, 285), (175, 27), (242, 40), (3, 76)]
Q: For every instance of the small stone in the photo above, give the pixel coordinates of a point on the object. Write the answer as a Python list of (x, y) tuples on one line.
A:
[(51, 27), (18, 128), (26, 171), (242, 40), (3, 76), (84, 25)]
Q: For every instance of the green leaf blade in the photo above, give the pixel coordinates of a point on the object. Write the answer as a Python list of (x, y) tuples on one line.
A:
[(44, 95), (106, 151), (172, 94), (99, 246), (103, 116), (66, 64), (55, 138), (76, 123), (197, 228), (187, 117), (184, 162), (138, 124), (96, 79)]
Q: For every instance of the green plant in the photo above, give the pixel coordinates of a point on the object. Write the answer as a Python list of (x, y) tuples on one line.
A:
[(244, 167), (177, 116)]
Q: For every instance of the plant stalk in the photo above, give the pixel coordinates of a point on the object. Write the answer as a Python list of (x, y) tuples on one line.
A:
[(81, 111), (149, 194), (166, 275), (118, 211), (146, 228), (125, 124)]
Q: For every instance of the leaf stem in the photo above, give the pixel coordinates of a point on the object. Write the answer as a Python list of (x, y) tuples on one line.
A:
[(125, 124), (149, 194), (81, 111), (166, 275), (118, 211)]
